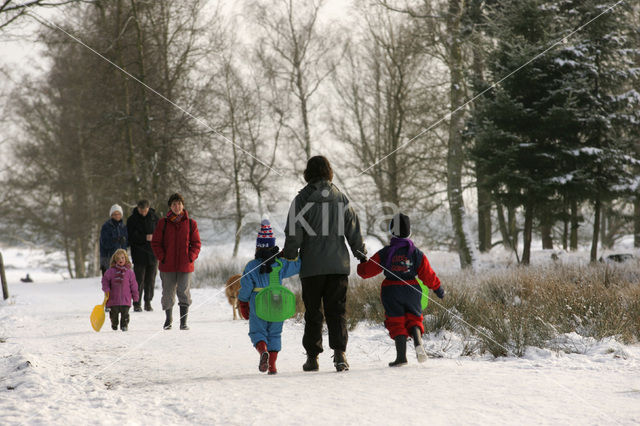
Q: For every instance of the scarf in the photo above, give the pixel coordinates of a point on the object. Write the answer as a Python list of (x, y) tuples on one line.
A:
[(175, 217), (395, 244), (119, 276), (267, 255)]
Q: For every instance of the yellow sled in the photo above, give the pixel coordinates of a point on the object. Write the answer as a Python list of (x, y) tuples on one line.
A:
[(97, 315)]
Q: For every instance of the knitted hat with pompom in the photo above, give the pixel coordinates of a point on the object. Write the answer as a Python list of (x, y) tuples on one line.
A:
[(265, 235)]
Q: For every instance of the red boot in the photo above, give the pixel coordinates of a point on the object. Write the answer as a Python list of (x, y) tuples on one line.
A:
[(261, 347), (273, 356)]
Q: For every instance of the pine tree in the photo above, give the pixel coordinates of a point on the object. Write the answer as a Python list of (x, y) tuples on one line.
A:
[(516, 125), (557, 131), (599, 63)]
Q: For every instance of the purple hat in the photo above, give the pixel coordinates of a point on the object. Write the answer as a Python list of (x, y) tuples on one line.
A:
[(265, 235)]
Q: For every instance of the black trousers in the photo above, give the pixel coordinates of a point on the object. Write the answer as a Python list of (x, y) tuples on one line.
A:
[(331, 292), (146, 278), (124, 317)]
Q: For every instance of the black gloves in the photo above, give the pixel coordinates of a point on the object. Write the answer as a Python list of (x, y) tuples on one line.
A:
[(439, 292), (361, 255)]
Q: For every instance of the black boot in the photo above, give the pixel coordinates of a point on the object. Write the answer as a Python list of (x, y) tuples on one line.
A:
[(147, 306), (136, 307), (124, 319), (169, 320), (340, 361), (311, 364), (421, 354), (183, 317), (113, 316), (401, 351)]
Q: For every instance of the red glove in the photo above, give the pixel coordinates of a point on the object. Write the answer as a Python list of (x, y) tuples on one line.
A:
[(244, 309)]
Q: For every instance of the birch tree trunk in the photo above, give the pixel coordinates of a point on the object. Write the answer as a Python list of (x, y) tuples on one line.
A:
[(636, 222), (455, 158), (146, 110), (126, 99)]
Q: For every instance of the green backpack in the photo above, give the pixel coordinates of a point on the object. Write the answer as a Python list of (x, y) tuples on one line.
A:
[(275, 303), (424, 301)]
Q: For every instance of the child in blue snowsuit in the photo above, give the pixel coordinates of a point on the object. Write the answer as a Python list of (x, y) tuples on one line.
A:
[(401, 294), (265, 335)]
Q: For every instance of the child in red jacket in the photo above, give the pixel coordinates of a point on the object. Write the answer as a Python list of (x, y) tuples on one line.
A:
[(401, 294)]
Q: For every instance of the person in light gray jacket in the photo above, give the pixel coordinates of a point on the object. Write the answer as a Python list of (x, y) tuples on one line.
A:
[(319, 225)]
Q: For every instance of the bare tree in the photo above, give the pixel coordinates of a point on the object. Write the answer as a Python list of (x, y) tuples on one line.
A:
[(294, 53), (12, 10), (635, 16), (387, 93), (255, 132), (53, 181), (444, 37), (91, 138), (157, 47)]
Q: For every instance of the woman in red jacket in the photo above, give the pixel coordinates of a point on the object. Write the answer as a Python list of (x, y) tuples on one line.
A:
[(176, 245)]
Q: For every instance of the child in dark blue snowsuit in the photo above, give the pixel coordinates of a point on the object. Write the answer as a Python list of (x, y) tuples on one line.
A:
[(401, 293), (265, 335)]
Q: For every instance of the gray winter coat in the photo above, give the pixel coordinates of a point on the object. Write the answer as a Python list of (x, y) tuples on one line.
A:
[(319, 220)]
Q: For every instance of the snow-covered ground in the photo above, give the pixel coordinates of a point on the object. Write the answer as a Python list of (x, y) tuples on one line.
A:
[(54, 369)]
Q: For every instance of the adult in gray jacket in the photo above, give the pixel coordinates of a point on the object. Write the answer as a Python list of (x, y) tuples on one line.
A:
[(319, 221)]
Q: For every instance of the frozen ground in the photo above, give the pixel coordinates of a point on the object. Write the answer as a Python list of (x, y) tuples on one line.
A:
[(54, 369)]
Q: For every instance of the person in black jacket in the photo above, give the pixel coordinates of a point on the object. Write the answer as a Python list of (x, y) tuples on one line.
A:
[(140, 227), (320, 224)]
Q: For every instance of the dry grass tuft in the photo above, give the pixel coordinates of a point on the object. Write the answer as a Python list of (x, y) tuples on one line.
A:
[(507, 310)]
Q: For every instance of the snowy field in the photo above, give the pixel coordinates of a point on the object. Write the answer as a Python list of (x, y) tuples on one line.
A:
[(54, 369)]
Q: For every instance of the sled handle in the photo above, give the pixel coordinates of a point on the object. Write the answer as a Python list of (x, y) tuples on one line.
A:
[(106, 297)]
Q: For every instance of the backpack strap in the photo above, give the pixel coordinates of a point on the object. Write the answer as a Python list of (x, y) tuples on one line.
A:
[(164, 227), (274, 275)]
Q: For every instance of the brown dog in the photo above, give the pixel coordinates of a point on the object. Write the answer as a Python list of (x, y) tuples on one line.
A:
[(231, 290)]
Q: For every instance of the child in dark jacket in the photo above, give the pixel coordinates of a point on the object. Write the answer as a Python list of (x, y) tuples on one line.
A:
[(119, 284), (401, 293), (265, 336)]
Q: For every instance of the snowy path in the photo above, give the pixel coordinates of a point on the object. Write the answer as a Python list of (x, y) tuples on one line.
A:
[(55, 370)]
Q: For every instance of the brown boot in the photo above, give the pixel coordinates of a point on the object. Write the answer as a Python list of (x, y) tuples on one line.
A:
[(261, 347), (273, 355), (340, 361)]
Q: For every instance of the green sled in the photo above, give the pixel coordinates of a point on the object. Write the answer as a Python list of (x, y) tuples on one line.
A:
[(275, 303), (424, 301)]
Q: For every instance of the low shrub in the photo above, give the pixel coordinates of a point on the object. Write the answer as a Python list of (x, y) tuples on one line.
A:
[(504, 311), (363, 302), (214, 272)]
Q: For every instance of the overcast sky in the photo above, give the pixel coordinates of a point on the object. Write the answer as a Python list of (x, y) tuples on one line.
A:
[(19, 52)]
